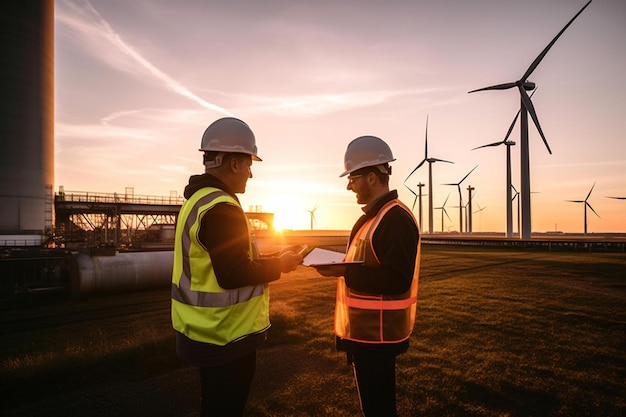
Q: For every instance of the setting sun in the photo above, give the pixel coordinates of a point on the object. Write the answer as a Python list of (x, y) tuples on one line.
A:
[(289, 214)]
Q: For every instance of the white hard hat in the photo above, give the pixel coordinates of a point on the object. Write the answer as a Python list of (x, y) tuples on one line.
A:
[(366, 151), (229, 135)]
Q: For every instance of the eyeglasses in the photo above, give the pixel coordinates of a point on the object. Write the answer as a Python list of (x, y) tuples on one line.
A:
[(352, 178)]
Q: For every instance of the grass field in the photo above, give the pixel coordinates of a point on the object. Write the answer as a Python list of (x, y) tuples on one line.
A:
[(498, 333)]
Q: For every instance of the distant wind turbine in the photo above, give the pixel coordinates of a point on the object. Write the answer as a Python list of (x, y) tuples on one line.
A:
[(458, 185), (518, 206), (480, 218), (418, 198), (443, 211), (430, 161), (526, 107), (618, 198), (586, 204), (312, 213), (468, 211), (509, 198)]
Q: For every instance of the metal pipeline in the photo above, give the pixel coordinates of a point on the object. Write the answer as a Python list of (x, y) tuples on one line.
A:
[(124, 272)]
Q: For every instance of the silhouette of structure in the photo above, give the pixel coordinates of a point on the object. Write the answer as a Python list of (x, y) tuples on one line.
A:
[(430, 161), (586, 204), (461, 206), (509, 198), (468, 210), (312, 214), (444, 211)]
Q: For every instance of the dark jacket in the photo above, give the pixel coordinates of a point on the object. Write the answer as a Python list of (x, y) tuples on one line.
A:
[(224, 233), (395, 242)]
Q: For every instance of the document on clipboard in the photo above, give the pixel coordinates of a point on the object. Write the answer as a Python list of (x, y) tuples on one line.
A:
[(327, 262), (319, 256)]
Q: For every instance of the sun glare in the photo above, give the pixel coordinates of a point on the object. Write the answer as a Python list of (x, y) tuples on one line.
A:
[(290, 215)]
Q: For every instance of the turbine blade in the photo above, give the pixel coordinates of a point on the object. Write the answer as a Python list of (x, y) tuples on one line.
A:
[(468, 175), (531, 110), (594, 212), (547, 48), (617, 198), (415, 169), (439, 160), (504, 86), (490, 144), (426, 140), (594, 184), (508, 133)]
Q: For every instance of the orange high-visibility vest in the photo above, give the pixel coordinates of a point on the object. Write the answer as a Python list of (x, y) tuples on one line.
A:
[(375, 318)]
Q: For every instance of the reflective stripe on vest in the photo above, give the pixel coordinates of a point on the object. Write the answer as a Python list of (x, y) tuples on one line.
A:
[(201, 309), (375, 318)]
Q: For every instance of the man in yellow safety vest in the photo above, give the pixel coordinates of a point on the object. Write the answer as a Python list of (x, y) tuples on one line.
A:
[(220, 294)]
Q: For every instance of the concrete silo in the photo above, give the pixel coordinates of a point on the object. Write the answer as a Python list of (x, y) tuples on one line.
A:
[(26, 122)]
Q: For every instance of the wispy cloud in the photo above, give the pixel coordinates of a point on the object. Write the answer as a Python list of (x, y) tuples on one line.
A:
[(321, 104), (106, 44)]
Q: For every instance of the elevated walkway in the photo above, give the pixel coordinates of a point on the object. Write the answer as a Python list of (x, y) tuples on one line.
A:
[(88, 219)]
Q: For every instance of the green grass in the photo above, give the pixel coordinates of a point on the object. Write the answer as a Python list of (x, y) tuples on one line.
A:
[(498, 333)]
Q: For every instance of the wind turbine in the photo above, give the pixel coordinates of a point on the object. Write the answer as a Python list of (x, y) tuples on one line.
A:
[(586, 203), (518, 206), (468, 211), (526, 107), (481, 216), (618, 198), (509, 198), (312, 213), (430, 161), (418, 198), (443, 211), (458, 185)]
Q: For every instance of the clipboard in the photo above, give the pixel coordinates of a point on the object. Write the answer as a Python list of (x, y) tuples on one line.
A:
[(319, 256)]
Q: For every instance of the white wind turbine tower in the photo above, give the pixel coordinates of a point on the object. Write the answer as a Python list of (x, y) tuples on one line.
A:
[(516, 196), (480, 218), (509, 198), (312, 214), (468, 209), (586, 204), (430, 161), (458, 185), (443, 211), (418, 198), (527, 107)]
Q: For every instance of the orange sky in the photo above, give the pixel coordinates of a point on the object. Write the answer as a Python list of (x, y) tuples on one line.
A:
[(138, 82)]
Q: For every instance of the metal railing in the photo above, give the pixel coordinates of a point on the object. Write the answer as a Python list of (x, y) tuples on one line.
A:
[(121, 198)]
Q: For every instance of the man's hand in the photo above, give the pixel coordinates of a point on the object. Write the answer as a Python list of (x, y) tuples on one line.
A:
[(289, 261), (330, 270)]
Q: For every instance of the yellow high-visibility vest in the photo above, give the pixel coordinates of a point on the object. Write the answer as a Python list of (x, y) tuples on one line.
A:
[(375, 318), (201, 309)]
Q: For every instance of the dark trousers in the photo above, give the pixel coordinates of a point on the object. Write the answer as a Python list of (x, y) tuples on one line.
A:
[(225, 388), (375, 376)]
